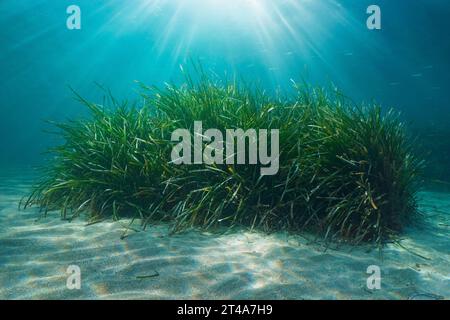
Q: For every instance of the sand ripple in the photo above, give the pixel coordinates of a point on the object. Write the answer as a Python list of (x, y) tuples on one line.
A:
[(35, 253)]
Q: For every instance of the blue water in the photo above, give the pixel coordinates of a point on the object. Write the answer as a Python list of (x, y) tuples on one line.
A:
[(404, 65)]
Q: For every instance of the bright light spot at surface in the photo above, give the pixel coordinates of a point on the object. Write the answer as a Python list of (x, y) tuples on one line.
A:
[(263, 20), (278, 36), (264, 23)]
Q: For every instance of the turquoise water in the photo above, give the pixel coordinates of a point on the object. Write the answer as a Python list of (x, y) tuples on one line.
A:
[(404, 65)]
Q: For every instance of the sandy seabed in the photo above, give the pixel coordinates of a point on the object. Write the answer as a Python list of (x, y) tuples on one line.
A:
[(35, 253)]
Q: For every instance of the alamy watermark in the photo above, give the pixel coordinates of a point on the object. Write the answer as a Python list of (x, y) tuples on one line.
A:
[(73, 281), (73, 21), (374, 20), (232, 150), (374, 280)]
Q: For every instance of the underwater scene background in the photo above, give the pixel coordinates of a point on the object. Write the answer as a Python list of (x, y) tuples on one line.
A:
[(405, 66)]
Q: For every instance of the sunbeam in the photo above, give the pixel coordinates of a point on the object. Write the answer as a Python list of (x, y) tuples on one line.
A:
[(258, 22)]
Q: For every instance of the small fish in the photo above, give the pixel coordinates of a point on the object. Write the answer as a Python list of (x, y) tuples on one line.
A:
[(348, 54), (394, 83), (416, 75), (153, 275)]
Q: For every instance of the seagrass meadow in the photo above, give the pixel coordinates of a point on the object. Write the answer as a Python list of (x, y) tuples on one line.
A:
[(346, 172)]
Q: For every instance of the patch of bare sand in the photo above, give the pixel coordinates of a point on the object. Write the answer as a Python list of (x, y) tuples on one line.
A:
[(35, 253)]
